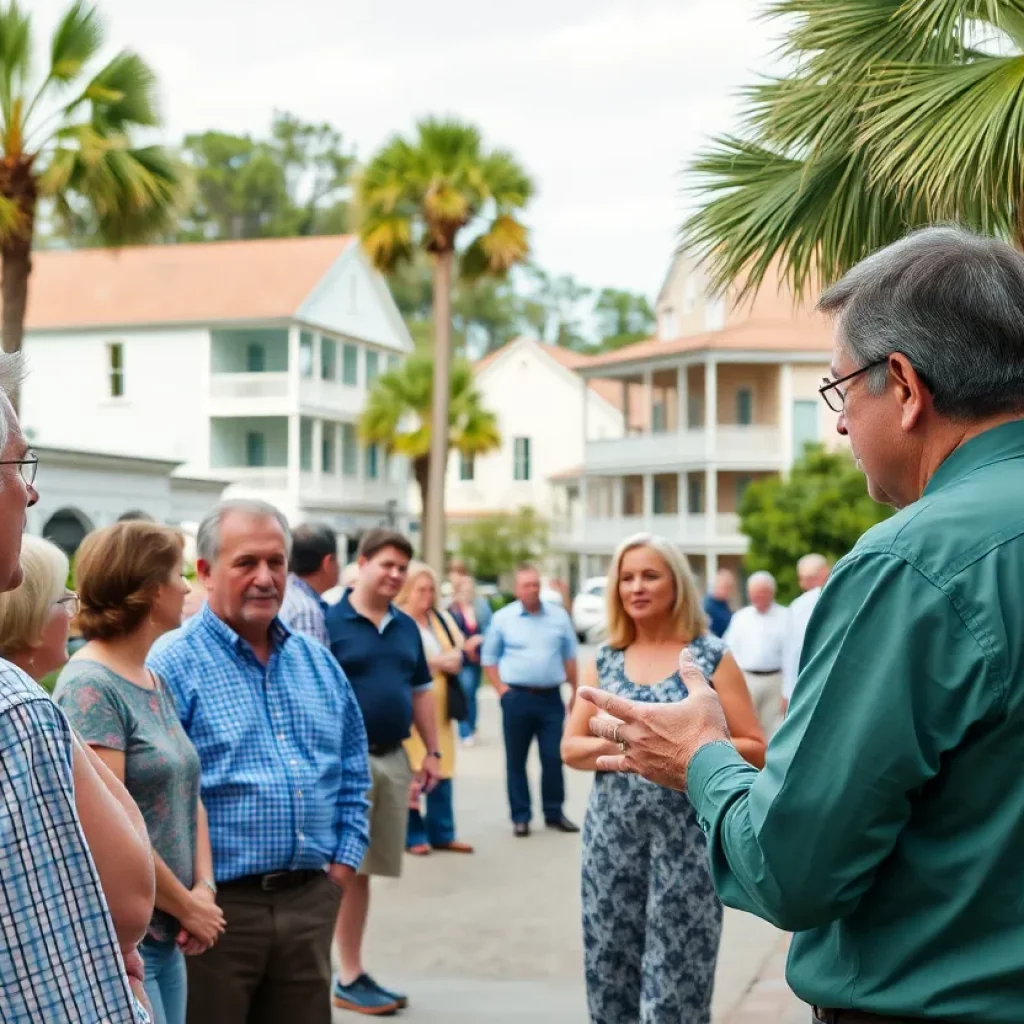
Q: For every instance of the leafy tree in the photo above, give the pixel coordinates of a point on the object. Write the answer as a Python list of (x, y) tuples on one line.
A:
[(293, 183), (552, 309), (822, 507), (68, 140), (897, 115), (429, 193), (622, 318), (495, 545), (397, 415)]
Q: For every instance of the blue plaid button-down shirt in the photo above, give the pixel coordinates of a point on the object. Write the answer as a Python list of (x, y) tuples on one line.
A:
[(282, 746), (59, 958), (302, 610)]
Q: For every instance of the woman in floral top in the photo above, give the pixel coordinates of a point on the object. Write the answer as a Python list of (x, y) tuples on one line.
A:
[(131, 591)]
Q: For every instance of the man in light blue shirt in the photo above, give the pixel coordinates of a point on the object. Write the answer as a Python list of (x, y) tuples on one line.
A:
[(529, 651)]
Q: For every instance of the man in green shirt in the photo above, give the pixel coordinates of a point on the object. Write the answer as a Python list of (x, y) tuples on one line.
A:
[(887, 827)]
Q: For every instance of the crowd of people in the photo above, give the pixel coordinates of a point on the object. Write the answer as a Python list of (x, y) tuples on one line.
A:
[(193, 820)]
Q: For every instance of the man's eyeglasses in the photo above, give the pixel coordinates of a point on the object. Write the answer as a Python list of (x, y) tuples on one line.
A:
[(28, 466), (829, 390), (70, 603)]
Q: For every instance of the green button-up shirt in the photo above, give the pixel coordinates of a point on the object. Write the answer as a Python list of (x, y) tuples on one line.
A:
[(887, 827)]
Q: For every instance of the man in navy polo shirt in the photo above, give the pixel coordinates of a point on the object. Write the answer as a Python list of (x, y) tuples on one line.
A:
[(381, 651)]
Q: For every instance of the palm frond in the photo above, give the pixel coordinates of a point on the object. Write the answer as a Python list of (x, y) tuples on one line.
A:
[(15, 62), (387, 241), (123, 95), (504, 244), (76, 41)]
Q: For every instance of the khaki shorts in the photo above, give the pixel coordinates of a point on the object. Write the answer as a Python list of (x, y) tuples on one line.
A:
[(389, 814)]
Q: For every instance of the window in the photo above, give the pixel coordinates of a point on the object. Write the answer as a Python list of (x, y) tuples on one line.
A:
[(306, 354), (521, 459), (115, 369), (372, 367), (744, 407), (742, 483), (255, 448), (805, 426), (349, 365), (467, 466), (714, 313), (327, 451), (665, 497), (349, 450), (328, 359), (372, 462), (694, 495), (306, 445), (659, 421), (255, 358)]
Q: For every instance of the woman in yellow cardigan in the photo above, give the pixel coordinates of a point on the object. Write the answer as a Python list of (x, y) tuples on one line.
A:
[(442, 644)]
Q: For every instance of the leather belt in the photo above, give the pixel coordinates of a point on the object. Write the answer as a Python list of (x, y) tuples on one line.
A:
[(536, 689), (273, 881), (762, 671)]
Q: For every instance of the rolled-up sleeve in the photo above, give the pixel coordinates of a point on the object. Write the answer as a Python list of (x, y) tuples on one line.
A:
[(494, 644), (892, 679), (352, 826)]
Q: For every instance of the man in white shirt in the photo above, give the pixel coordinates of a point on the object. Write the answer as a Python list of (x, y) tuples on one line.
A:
[(755, 637), (811, 571)]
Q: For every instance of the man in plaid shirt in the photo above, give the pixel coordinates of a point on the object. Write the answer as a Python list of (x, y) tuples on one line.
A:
[(285, 776), (60, 956)]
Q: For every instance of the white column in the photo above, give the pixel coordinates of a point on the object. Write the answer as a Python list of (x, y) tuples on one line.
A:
[(294, 457), (618, 503), (649, 502), (578, 523), (293, 366), (316, 356), (648, 400), (710, 407), (786, 416), (711, 502), (710, 566)]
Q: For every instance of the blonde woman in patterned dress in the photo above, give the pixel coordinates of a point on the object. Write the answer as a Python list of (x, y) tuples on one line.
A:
[(651, 919)]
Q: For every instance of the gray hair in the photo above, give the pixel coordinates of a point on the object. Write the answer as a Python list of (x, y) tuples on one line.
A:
[(763, 576), (208, 534), (953, 304), (12, 373), (812, 563)]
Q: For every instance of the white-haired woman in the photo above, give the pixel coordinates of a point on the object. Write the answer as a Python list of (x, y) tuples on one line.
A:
[(651, 919)]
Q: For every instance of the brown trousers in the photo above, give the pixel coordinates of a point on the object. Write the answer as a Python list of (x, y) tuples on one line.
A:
[(273, 962)]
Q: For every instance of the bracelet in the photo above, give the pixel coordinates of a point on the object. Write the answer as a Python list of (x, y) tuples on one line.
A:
[(212, 886)]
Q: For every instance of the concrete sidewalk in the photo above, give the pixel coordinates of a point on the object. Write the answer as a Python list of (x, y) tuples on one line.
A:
[(495, 937)]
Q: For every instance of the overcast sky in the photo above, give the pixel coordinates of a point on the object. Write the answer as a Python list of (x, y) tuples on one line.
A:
[(602, 100)]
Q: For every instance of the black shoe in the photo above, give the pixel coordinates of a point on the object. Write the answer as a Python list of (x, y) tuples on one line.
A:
[(521, 829), (563, 825)]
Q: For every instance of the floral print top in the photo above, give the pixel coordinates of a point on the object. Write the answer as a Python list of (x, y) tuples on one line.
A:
[(161, 767)]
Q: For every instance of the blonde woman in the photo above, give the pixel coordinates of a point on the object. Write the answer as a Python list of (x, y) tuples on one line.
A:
[(442, 644), (651, 919)]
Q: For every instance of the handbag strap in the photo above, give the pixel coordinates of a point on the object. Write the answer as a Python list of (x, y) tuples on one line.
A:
[(444, 625)]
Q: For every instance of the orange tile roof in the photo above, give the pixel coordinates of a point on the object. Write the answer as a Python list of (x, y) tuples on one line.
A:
[(811, 333), (610, 391), (206, 282)]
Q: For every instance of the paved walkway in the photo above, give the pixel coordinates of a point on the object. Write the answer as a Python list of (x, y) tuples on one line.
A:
[(495, 938)]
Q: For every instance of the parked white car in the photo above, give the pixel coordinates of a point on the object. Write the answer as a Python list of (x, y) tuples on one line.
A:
[(588, 607)]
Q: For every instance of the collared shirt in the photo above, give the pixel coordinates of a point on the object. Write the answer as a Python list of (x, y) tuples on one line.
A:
[(755, 638), (719, 614), (59, 957), (530, 648), (303, 610), (793, 638), (385, 664), (282, 746), (887, 826)]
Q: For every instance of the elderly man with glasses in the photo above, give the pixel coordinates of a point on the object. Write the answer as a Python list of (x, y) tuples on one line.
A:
[(887, 825)]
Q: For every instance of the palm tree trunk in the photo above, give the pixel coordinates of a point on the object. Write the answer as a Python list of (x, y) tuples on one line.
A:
[(421, 474), (17, 183), (433, 526)]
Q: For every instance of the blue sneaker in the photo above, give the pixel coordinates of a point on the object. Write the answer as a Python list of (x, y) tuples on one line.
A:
[(400, 998), (364, 996)]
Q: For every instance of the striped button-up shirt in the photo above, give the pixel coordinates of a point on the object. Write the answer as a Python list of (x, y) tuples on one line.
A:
[(302, 610), (282, 746), (59, 958)]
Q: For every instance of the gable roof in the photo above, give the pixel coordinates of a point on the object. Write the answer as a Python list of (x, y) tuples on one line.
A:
[(565, 357), (801, 334), (204, 282)]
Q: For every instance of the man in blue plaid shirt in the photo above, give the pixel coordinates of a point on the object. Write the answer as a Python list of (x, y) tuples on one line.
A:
[(313, 571), (285, 776)]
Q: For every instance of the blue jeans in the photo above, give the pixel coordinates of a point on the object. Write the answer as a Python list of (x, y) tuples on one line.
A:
[(437, 826), (166, 985), (526, 715), (469, 677)]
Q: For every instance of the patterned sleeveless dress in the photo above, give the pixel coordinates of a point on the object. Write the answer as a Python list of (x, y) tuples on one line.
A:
[(651, 919)]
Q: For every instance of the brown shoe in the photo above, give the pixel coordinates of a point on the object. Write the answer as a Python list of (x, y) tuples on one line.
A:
[(419, 850), (455, 847)]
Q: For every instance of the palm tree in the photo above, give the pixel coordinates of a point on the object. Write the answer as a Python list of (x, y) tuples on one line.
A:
[(898, 114), (67, 139), (398, 416), (427, 193)]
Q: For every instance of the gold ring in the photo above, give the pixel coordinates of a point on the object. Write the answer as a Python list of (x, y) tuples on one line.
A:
[(615, 734), (622, 748)]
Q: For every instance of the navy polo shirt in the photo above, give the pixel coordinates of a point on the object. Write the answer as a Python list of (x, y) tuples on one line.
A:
[(385, 666)]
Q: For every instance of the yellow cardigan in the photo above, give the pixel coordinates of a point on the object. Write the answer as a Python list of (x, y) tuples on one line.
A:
[(445, 726)]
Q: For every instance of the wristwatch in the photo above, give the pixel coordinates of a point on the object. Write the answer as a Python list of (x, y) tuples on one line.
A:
[(212, 886), (435, 753)]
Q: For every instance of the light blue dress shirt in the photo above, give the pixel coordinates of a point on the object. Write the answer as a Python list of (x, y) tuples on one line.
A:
[(530, 648)]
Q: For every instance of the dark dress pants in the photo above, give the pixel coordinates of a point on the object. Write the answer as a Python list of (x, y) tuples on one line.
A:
[(528, 714)]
